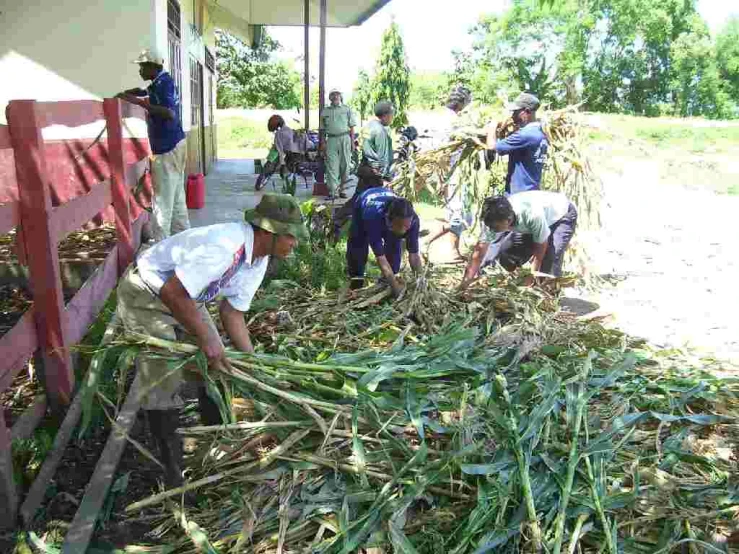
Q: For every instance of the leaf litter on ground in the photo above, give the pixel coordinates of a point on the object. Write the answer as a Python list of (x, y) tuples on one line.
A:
[(449, 421)]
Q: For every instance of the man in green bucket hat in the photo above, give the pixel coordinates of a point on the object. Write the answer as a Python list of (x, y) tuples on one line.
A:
[(165, 292)]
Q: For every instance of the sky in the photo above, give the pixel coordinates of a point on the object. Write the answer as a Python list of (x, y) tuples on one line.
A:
[(431, 30)]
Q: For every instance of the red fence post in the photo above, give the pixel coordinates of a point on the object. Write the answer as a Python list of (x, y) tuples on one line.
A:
[(118, 185), (41, 247), (8, 490)]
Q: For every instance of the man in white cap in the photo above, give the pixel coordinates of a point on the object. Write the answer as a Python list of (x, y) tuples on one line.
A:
[(338, 122), (161, 101)]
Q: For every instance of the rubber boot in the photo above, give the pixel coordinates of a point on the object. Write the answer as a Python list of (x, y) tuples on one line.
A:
[(207, 408), (163, 425)]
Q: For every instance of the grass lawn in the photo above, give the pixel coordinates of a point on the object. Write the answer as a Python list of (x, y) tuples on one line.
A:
[(684, 135), (240, 138), (694, 153)]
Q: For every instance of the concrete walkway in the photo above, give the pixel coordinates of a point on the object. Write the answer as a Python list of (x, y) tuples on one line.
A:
[(229, 190)]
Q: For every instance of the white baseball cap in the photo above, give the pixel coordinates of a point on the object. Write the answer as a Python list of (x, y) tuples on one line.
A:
[(150, 56)]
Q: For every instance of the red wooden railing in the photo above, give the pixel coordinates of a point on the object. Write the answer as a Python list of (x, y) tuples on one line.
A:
[(49, 328)]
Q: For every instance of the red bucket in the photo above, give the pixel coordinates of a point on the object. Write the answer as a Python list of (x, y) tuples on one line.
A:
[(195, 191)]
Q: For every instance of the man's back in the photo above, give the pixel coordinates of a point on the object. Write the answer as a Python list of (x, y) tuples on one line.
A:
[(527, 153), (164, 134)]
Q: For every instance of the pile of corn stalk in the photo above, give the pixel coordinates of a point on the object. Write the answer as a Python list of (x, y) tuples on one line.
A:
[(568, 169), (290, 315), (564, 438)]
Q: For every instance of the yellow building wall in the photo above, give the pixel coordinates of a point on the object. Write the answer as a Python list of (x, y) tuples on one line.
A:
[(193, 49)]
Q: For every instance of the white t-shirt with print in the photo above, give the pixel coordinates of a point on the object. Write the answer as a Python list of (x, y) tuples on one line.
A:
[(536, 211), (210, 262)]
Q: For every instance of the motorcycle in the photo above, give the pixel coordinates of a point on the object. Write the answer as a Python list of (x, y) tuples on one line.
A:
[(304, 164)]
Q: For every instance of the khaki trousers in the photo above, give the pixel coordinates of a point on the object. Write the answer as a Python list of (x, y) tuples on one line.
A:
[(169, 205), (141, 311)]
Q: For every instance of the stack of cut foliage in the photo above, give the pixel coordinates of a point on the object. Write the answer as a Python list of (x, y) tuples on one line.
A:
[(567, 170), (490, 431), (290, 315)]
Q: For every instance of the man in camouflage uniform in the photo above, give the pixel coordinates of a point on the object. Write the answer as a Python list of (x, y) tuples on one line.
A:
[(338, 122)]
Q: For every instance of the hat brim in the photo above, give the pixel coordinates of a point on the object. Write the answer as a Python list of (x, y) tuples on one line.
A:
[(139, 61), (513, 107), (277, 227)]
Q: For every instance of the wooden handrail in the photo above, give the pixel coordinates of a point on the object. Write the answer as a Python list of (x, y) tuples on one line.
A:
[(49, 326)]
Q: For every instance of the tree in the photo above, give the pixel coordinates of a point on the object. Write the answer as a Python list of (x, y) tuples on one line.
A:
[(727, 57), (696, 82), (644, 57), (250, 78), (428, 90), (362, 94), (392, 75)]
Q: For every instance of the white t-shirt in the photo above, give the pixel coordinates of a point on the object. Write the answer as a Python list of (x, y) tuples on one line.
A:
[(210, 262), (536, 211)]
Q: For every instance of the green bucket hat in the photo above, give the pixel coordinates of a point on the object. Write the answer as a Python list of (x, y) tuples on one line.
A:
[(278, 214)]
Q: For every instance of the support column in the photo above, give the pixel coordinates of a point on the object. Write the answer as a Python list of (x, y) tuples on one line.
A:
[(322, 60), (306, 40)]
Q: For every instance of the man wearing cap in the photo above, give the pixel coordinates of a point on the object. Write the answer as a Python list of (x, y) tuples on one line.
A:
[(167, 141), (164, 295), (526, 147), (382, 221), (338, 123)]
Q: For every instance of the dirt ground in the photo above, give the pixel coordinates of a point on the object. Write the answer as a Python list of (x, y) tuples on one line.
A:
[(673, 250)]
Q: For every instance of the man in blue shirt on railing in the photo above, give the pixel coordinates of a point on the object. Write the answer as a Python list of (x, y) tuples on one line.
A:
[(167, 141), (526, 147)]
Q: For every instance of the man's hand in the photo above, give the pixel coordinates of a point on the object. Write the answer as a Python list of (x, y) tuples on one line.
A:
[(130, 98), (213, 349), (397, 286), (235, 326), (186, 312), (473, 268)]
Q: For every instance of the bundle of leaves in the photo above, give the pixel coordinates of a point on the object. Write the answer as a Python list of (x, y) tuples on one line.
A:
[(568, 169)]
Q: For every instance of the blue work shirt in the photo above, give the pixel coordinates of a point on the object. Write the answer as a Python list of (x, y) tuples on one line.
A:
[(527, 152), (371, 212), (164, 134)]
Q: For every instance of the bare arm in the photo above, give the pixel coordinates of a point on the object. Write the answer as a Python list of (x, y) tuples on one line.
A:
[(185, 311), (159, 111), (236, 329), (492, 136), (540, 250), (387, 273), (473, 268)]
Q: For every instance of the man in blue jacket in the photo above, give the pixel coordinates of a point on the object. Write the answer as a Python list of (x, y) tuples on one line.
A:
[(382, 220), (526, 147), (167, 141)]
